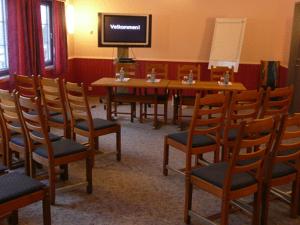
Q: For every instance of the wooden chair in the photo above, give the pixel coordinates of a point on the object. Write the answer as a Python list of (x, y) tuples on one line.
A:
[(123, 95), (240, 177), (161, 72), (27, 85), (18, 191), (204, 132), (181, 98), (84, 124), (14, 133), (54, 100), (283, 166), (47, 153), (216, 73), (244, 106), (277, 101)]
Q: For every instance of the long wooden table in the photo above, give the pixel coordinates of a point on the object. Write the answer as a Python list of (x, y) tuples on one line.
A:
[(110, 83)]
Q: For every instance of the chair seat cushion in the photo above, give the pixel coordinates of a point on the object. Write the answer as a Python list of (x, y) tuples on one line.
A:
[(197, 141), (14, 185), (282, 169), (62, 147), (57, 118), (215, 174), (19, 139), (98, 124)]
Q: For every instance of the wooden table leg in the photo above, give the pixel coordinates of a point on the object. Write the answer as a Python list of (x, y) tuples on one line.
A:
[(155, 122), (175, 106), (108, 102)]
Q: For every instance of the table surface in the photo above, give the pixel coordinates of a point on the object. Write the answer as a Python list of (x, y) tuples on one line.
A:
[(171, 84), (138, 83), (206, 85)]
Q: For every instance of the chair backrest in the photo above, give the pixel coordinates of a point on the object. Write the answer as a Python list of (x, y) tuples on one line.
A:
[(27, 85), (208, 117), (216, 73), (130, 69), (35, 124), (184, 70), (161, 70), (254, 142), (53, 97), (78, 104), (287, 145), (10, 114), (277, 101), (269, 74)]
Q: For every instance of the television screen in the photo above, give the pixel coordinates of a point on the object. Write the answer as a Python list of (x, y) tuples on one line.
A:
[(117, 30)]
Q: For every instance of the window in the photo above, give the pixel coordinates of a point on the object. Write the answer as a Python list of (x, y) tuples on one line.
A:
[(3, 38), (46, 14)]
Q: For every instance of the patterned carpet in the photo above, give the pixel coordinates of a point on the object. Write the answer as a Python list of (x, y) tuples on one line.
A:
[(134, 191)]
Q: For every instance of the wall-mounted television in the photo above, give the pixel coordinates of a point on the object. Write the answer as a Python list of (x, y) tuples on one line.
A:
[(124, 30)]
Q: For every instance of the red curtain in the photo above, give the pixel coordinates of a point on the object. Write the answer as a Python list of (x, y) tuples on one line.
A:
[(25, 40), (60, 38)]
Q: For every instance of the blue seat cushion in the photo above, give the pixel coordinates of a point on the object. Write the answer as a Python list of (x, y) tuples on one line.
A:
[(98, 124), (282, 169), (197, 141), (62, 147), (215, 174), (57, 118), (14, 185), (19, 139)]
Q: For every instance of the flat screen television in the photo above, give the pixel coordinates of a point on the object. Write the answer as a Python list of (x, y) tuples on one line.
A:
[(124, 30)]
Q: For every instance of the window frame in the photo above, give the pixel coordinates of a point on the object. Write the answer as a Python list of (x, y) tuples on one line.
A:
[(49, 4), (6, 71)]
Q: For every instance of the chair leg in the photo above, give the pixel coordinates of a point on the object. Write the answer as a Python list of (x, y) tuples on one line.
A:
[(118, 137), (132, 112), (188, 201), (46, 210), (115, 109), (166, 112), (265, 204), (96, 143), (89, 174), (52, 180), (224, 211), (141, 113), (257, 207), (166, 157), (13, 218), (65, 174), (145, 110), (295, 198), (180, 117)]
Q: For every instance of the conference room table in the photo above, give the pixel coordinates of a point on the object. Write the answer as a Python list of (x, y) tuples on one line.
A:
[(110, 83), (176, 86)]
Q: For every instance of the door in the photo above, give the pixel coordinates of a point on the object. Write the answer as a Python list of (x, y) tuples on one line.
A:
[(294, 61)]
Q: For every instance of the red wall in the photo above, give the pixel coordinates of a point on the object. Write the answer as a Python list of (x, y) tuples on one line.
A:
[(89, 70)]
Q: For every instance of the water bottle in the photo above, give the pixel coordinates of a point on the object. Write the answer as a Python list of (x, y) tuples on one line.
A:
[(226, 78), (152, 78), (122, 74), (190, 77)]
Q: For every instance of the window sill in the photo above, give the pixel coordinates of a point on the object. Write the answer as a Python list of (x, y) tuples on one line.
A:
[(50, 67), (4, 78)]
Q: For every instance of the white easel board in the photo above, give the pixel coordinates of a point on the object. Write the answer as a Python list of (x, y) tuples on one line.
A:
[(227, 42)]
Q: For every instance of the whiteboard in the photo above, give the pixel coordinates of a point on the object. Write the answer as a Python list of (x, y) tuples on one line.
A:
[(227, 42)]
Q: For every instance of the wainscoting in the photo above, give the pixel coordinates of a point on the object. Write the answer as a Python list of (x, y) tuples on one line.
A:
[(88, 70)]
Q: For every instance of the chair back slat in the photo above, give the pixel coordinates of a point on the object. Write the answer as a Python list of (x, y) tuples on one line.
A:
[(27, 86), (287, 145), (160, 69), (217, 72), (253, 144), (78, 104), (184, 70), (277, 101)]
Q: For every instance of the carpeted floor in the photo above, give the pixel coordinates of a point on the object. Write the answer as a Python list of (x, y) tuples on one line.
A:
[(134, 191)]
